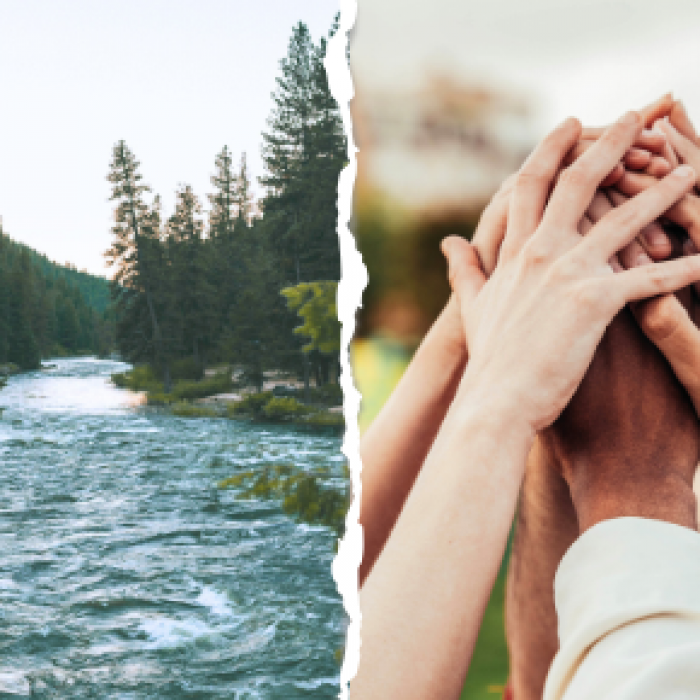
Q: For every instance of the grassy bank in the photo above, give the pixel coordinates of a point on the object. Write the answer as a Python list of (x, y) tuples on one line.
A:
[(282, 406), (265, 407)]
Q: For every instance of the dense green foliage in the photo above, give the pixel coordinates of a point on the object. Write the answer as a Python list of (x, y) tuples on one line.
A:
[(267, 408), (48, 310), (315, 303), (206, 285), (142, 378), (303, 495)]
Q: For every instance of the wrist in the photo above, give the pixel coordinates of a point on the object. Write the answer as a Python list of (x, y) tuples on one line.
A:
[(665, 497), (493, 405)]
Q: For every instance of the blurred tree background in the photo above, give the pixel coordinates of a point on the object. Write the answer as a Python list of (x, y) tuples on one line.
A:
[(430, 157)]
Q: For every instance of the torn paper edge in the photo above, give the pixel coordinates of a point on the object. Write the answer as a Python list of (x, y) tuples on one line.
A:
[(353, 280)]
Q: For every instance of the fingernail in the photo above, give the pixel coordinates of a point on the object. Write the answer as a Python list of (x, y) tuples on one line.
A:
[(655, 238), (685, 172)]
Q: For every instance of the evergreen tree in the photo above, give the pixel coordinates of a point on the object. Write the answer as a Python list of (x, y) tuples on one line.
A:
[(304, 152), (5, 337), (138, 289), (223, 201), (193, 292), (23, 350)]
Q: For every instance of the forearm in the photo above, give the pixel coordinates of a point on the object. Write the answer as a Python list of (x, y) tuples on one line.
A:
[(396, 444), (424, 599), (546, 528)]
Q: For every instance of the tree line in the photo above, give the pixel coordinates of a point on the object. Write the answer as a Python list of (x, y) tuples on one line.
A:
[(247, 282), (48, 310)]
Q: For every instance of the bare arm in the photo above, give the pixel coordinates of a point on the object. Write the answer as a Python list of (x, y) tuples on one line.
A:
[(546, 527), (396, 444)]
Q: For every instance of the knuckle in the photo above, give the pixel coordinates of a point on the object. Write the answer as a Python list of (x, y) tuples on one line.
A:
[(616, 137), (625, 217), (535, 254), (575, 176), (529, 178), (587, 297), (658, 318), (565, 270)]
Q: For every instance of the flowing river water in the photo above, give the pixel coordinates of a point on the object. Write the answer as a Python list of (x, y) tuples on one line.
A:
[(126, 573)]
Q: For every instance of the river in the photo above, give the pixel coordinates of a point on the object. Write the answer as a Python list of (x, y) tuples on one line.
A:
[(125, 573)]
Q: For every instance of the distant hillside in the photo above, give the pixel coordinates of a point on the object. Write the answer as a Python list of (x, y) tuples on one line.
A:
[(49, 310), (95, 290)]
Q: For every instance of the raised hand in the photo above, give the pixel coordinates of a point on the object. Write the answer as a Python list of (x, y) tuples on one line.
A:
[(553, 294)]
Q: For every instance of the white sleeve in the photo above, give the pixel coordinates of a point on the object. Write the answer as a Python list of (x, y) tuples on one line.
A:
[(627, 595)]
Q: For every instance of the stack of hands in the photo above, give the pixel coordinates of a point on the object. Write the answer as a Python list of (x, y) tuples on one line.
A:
[(563, 374)]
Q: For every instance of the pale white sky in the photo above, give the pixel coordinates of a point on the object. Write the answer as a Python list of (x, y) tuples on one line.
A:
[(591, 58), (177, 79)]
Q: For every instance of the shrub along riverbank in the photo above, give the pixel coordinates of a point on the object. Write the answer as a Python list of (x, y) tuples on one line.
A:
[(305, 496), (284, 404)]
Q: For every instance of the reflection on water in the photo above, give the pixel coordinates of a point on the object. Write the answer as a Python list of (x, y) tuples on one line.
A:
[(127, 574)]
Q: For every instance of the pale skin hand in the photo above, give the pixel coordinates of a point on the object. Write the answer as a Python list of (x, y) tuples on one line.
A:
[(554, 293)]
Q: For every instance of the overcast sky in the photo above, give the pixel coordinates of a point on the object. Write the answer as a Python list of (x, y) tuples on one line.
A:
[(176, 79), (591, 58)]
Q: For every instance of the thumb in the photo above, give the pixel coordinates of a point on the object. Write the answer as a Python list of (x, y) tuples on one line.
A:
[(464, 269), (667, 324)]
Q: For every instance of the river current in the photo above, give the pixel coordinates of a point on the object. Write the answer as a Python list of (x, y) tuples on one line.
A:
[(126, 573)]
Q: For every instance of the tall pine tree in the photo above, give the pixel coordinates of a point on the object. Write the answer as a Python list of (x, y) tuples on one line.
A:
[(139, 283)]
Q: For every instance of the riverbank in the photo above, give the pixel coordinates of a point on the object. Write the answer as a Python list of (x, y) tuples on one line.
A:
[(222, 394), (6, 371)]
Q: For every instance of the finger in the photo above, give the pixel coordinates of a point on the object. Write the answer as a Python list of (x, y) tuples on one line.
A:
[(657, 110), (585, 225), (637, 159), (631, 184), (617, 172), (577, 186), (681, 121), (648, 140), (659, 278), (686, 214), (491, 230), (600, 206), (633, 255), (658, 167), (464, 269), (667, 324), (686, 150), (623, 224), (668, 154), (614, 177), (689, 248), (534, 182), (652, 238)]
